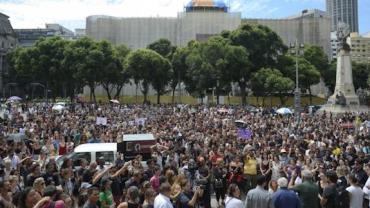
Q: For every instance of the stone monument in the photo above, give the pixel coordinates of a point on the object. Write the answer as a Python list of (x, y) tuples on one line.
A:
[(344, 98)]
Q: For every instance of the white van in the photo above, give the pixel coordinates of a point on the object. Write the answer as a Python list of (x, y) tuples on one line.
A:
[(131, 145), (91, 153)]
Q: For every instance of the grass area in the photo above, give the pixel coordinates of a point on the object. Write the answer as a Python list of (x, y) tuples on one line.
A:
[(268, 101)]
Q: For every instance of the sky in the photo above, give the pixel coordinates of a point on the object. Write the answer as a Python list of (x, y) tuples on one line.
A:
[(72, 13)]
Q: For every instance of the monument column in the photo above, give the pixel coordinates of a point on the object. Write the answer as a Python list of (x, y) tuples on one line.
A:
[(344, 98)]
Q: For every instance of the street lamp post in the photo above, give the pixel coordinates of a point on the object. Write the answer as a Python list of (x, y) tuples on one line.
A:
[(296, 50)]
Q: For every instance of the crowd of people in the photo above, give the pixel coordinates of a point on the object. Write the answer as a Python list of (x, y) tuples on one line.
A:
[(200, 158)]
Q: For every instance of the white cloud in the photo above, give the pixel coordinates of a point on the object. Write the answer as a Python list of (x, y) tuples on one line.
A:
[(35, 13), (72, 13)]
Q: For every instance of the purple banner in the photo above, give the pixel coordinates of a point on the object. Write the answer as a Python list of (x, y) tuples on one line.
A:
[(245, 133)]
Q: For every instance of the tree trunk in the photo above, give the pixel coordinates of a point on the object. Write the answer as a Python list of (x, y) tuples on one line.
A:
[(108, 92), (173, 95), (242, 86), (282, 102), (309, 91), (158, 98), (136, 92), (145, 91), (263, 101), (118, 91), (92, 91)]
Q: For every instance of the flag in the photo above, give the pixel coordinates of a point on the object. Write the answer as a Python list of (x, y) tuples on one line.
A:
[(245, 133)]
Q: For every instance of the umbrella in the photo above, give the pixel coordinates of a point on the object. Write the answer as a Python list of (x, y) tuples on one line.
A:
[(245, 133), (114, 101), (14, 98), (58, 108), (16, 137), (284, 111)]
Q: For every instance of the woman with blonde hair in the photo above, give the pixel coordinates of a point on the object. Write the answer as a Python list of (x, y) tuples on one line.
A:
[(39, 185)]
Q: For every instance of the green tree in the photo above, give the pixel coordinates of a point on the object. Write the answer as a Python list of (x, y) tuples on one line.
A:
[(317, 57), (160, 74), (308, 75), (281, 85), (163, 47), (168, 51), (179, 68), (263, 46), (123, 77), (43, 63), (213, 52), (266, 82), (237, 68), (148, 67), (361, 73), (330, 75), (86, 59), (259, 84), (112, 74), (197, 78)]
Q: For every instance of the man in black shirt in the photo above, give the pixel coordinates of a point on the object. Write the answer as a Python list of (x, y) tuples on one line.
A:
[(329, 198)]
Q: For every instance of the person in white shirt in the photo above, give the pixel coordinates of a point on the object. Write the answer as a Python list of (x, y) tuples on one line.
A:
[(233, 195), (162, 200), (366, 188), (356, 195)]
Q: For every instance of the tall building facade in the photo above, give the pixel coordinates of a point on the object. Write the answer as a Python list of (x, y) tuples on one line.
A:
[(360, 48), (343, 11), (308, 27), (28, 37), (8, 41), (200, 20)]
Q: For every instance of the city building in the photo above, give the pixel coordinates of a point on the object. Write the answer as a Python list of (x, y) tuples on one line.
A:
[(28, 37), (8, 41), (360, 48), (79, 33), (334, 45), (343, 11), (61, 31), (200, 20), (308, 27)]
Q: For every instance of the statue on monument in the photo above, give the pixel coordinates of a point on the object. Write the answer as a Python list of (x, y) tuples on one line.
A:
[(343, 33), (340, 99)]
